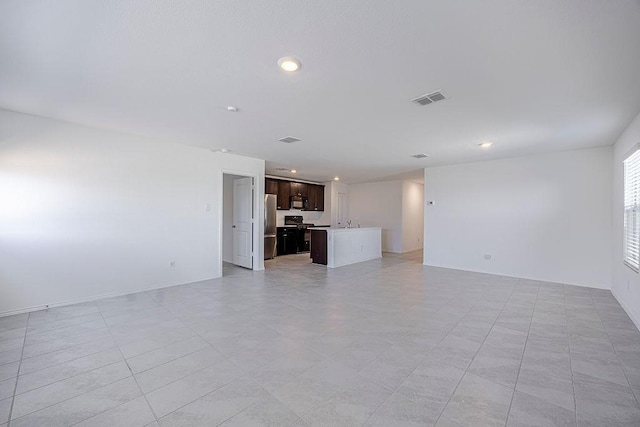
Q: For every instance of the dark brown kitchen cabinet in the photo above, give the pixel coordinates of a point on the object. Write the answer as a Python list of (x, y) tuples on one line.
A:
[(270, 186), (319, 246), (315, 193), (311, 197), (320, 198), (299, 188), (284, 191)]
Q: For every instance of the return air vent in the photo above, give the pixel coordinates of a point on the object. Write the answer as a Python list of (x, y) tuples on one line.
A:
[(282, 169), (429, 98), (420, 156), (289, 139)]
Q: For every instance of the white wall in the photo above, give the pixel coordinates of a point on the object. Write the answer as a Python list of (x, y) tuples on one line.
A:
[(309, 217), (412, 216), (379, 204), (337, 188), (626, 282), (88, 213), (545, 217)]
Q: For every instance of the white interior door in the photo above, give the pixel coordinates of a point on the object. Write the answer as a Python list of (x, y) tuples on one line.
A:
[(243, 222), (343, 214)]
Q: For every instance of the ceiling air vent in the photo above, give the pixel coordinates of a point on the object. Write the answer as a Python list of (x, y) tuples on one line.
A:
[(282, 169), (289, 139), (420, 156), (429, 98)]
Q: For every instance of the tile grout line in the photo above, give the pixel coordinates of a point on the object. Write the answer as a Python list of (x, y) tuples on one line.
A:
[(424, 358), (565, 294), (326, 357), (474, 356), (411, 373), (15, 386), (65, 400), (66, 336), (72, 397), (66, 361), (524, 349), (415, 369), (160, 348), (90, 370), (624, 371), (132, 376), (573, 387), (250, 406), (227, 358)]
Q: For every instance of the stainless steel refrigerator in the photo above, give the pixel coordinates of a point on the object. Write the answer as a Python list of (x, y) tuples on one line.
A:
[(270, 225)]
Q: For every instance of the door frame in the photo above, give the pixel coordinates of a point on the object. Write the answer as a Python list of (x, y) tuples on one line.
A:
[(258, 217)]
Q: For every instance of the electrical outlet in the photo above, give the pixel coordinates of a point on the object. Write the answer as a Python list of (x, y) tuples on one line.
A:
[(172, 264), (208, 207), (487, 256)]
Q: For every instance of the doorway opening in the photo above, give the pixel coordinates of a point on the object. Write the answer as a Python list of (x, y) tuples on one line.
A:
[(238, 217)]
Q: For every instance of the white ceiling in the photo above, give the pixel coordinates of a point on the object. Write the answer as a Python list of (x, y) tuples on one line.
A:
[(532, 76)]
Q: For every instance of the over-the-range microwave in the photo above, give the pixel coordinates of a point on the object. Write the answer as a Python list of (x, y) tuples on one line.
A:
[(299, 202)]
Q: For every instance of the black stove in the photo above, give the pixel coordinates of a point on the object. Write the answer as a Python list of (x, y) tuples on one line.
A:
[(293, 220), (294, 237)]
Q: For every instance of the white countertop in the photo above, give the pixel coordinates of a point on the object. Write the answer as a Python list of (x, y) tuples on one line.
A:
[(343, 228)]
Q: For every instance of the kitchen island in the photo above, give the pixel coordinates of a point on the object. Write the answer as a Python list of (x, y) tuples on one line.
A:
[(335, 247)]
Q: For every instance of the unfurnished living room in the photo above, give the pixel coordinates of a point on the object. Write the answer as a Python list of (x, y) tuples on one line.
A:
[(319, 213)]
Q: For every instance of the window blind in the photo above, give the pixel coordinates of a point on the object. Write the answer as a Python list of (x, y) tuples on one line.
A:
[(632, 210)]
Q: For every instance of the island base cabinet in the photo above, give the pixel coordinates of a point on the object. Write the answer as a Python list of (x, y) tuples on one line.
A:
[(319, 247), (335, 247), (351, 247)]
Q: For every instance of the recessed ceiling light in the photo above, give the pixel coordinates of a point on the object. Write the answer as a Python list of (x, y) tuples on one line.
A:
[(224, 150), (293, 171), (289, 64), (485, 144), (232, 109), (337, 178)]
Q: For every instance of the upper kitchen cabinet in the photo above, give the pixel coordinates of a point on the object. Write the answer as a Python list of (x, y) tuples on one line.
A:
[(284, 192), (270, 186), (315, 193), (299, 188), (285, 189), (320, 198)]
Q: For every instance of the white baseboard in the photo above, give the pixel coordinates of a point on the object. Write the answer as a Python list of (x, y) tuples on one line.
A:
[(592, 286), (96, 297), (630, 313)]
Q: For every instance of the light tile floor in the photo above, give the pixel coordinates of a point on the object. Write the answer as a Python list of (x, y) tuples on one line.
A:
[(386, 342)]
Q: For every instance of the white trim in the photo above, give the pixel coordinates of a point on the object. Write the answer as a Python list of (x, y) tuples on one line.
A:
[(590, 286), (631, 151), (258, 236), (97, 297), (624, 261), (624, 306), (630, 261)]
